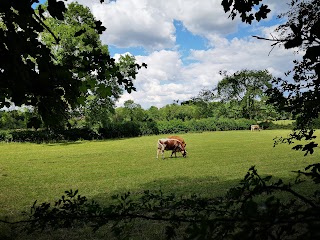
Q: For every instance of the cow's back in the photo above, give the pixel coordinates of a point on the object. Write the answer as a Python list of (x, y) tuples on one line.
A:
[(180, 139)]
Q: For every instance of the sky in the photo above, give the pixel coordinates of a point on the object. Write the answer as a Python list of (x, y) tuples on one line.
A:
[(185, 44)]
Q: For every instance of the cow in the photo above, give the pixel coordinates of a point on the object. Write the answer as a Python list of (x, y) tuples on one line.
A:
[(255, 127), (170, 144)]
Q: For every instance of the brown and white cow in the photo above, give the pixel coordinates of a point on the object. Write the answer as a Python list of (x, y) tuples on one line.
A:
[(170, 144), (255, 127)]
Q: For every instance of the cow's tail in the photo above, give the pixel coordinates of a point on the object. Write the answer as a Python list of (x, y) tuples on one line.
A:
[(160, 148), (160, 145)]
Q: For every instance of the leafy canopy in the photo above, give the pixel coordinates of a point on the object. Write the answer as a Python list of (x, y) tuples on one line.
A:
[(38, 72), (244, 88)]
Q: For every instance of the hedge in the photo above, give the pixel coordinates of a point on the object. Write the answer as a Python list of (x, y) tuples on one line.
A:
[(134, 129), (201, 125)]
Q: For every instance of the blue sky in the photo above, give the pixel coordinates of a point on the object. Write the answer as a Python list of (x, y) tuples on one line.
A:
[(185, 41), (185, 44)]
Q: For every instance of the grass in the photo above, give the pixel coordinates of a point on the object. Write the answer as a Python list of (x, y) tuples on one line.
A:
[(216, 161)]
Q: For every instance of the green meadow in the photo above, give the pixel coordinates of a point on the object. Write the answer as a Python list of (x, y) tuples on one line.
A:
[(216, 161)]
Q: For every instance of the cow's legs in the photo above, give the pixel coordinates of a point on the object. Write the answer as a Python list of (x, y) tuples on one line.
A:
[(162, 153), (174, 152), (161, 148)]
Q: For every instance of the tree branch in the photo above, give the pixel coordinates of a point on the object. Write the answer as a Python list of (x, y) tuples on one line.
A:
[(46, 27)]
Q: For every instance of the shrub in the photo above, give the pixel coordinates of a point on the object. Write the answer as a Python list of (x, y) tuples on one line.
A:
[(5, 136), (270, 125), (206, 124), (78, 134), (149, 128), (119, 130), (172, 126), (316, 123)]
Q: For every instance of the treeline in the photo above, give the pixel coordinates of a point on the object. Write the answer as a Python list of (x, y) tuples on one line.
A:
[(131, 129), (132, 112)]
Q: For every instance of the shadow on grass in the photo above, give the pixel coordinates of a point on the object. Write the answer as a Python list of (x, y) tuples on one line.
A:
[(76, 142), (67, 143), (210, 186)]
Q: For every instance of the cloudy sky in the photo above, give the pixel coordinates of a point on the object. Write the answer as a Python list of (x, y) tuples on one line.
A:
[(185, 44)]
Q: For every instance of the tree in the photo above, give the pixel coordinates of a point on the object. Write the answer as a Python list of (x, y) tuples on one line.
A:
[(154, 114), (12, 119), (299, 95), (134, 111), (79, 39), (203, 102), (169, 111), (72, 51), (245, 88), (31, 75), (97, 112)]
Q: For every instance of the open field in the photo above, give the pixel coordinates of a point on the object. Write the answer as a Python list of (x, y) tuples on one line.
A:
[(216, 161), (99, 169)]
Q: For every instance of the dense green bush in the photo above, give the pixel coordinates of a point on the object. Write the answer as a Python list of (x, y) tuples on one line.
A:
[(119, 130), (201, 125), (5, 136), (270, 125), (226, 124), (34, 136), (316, 123), (78, 134), (172, 126), (206, 124), (149, 128), (42, 136)]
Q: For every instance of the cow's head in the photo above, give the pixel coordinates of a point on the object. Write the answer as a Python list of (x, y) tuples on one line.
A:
[(182, 148), (184, 152)]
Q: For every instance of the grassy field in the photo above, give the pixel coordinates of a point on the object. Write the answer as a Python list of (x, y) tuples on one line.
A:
[(99, 169)]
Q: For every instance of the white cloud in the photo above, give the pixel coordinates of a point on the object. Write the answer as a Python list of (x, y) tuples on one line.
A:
[(199, 17), (149, 24), (161, 82), (132, 23)]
